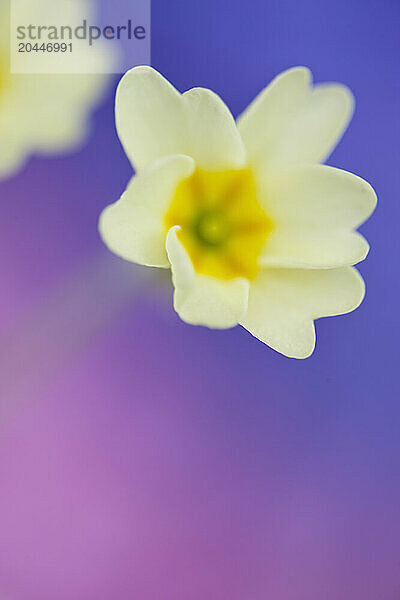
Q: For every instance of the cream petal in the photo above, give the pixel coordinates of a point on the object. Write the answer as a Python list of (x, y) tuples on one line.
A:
[(317, 195), (314, 210), (149, 117), (154, 120), (55, 118), (292, 123), (213, 137), (48, 113), (284, 302), (300, 249), (201, 299), (262, 123), (133, 226), (12, 156)]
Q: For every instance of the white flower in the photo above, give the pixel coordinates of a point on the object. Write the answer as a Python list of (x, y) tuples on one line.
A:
[(255, 230), (43, 113)]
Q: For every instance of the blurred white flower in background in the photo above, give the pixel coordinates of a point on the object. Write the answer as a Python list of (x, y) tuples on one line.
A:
[(46, 113), (255, 231)]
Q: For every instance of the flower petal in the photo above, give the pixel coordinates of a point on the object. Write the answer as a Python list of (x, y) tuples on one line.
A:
[(201, 299), (304, 250), (317, 195), (292, 123), (148, 112), (213, 137), (154, 120), (314, 210), (284, 302), (133, 226)]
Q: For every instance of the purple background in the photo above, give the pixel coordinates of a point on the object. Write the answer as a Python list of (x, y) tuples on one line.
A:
[(131, 52), (141, 458)]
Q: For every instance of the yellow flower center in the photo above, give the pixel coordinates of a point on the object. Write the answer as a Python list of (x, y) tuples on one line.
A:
[(223, 226)]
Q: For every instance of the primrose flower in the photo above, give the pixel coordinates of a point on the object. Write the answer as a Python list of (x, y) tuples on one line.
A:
[(255, 230), (43, 113)]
